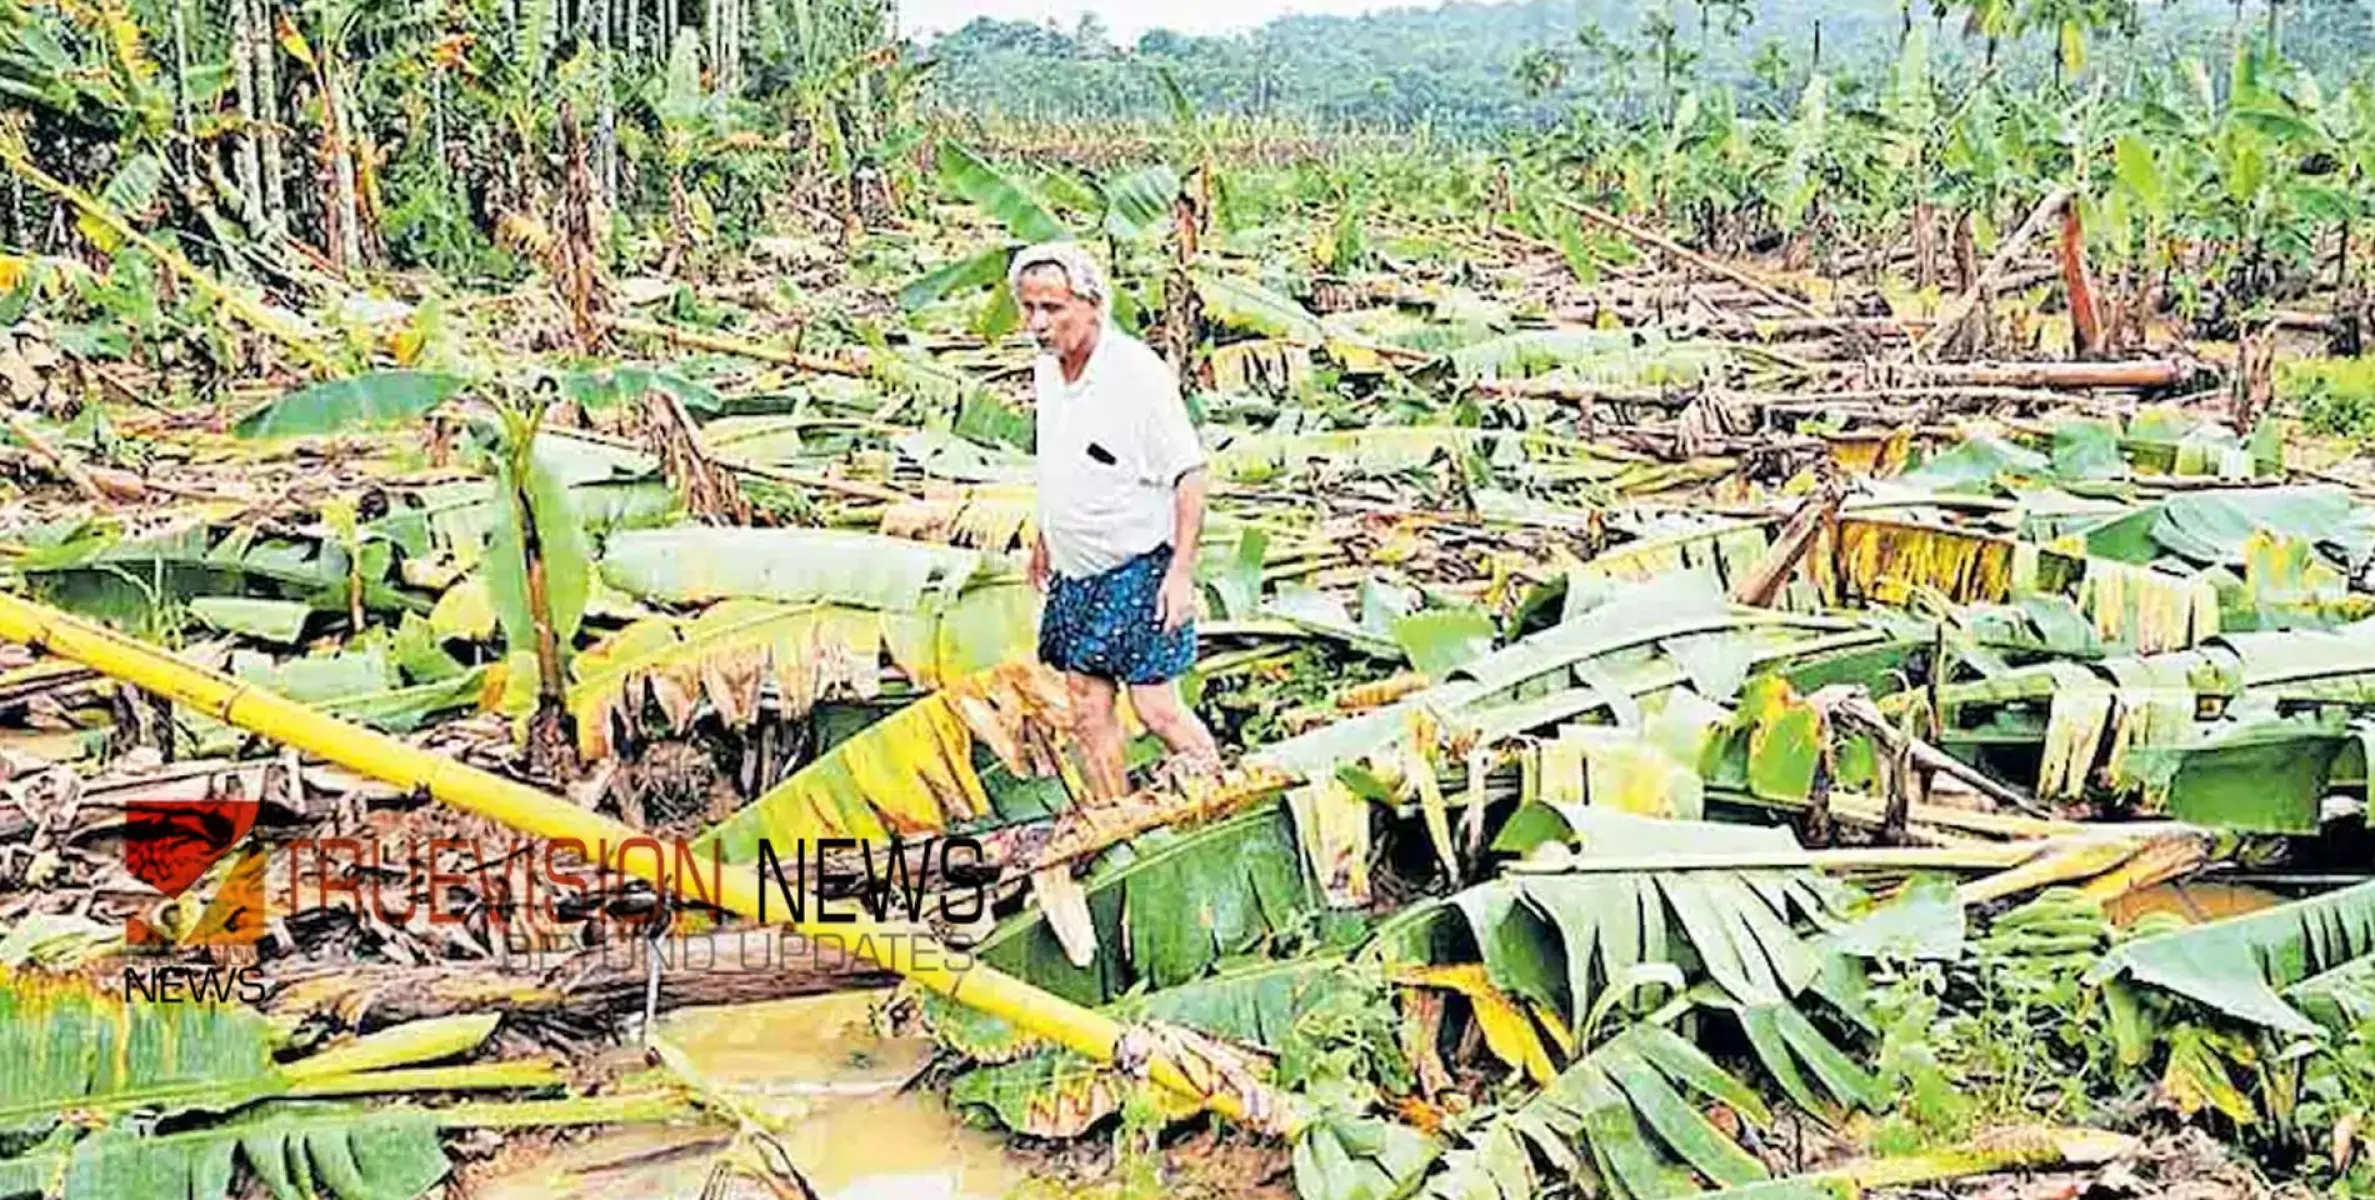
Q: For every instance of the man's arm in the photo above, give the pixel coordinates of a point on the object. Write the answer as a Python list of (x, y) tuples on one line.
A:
[(1176, 603)]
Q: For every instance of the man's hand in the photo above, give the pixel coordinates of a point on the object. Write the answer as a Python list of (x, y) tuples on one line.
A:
[(1037, 571), (1175, 604)]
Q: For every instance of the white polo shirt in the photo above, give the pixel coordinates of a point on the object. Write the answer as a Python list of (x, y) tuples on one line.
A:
[(1112, 447)]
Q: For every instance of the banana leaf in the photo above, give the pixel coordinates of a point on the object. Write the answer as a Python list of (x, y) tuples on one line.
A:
[(609, 488), (1790, 1048), (64, 1045), (66, 1048), (1563, 940), (626, 384), (1607, 358), (1392, 448), (135, 581), (374, 401), (1054, 1093), (1339, 1157), (1174, 905), (1050, 1094), (2263, 776), (810, 653), (1140, 200), (533, 495), (1607, 657), (2241, 966), (912, 772), (1623, 1115), (2211, 526), (692, 564), (985, 269), (298, 1151), (278, 621), (1024, 215), (1247, 306)]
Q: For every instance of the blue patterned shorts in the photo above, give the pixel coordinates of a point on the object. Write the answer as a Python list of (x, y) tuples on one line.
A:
[(1105, 625)]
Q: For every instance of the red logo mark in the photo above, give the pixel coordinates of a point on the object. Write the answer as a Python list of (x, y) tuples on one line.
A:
[(168, 844)]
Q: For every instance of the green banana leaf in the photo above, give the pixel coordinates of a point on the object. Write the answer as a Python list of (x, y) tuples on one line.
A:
[(2242, 966), (1623, 1114), (136, 581), (298, 1151), (692, 564), (1615, 358), (1564, 939), (378, 400), (1169, 907), (1247, 306), (1024, 215)]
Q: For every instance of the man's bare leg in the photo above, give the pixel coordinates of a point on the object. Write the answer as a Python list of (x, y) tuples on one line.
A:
[(1182, 731), (1097, 728)]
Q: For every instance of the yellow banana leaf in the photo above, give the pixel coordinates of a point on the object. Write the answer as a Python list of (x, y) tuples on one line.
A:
[(912, 772)]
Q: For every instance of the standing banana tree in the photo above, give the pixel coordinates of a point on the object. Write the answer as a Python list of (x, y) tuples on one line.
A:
[(1129, 212), (539, 570)]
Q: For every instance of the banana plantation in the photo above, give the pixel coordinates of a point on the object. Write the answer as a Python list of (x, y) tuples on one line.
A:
[(1780, 640)]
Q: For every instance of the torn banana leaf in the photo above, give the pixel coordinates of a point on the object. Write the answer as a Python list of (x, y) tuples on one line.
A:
[(2255, 967), (609, 488), (1386, 450), (994, 517), (693, 564), (733, 652), (1726, 553), (1791, 1048), (296, 1151), (134, 581), (1611, 657), (1243, 304), (1168, 907), (912, 772), (2097, 721), (1612, 358), (1563, 939), (64, 1045), (1631, 1114)]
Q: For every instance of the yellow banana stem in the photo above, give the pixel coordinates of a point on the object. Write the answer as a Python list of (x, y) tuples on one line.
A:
[(911, 954)]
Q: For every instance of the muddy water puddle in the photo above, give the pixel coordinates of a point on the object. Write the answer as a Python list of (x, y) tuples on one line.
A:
[(816, 1063)]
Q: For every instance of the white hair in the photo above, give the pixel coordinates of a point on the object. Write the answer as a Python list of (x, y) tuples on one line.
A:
[(1080, 271)]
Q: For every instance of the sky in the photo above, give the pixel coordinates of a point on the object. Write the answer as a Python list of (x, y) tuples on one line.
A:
[(1126, 18)]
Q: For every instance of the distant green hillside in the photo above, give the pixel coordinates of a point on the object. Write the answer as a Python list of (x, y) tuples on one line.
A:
[(1477, 68)]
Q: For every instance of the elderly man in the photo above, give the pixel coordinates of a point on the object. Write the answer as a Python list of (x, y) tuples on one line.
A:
[(1121, 502)]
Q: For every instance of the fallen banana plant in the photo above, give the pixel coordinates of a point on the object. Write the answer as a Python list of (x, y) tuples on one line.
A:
[(77, 1065), (539, 814)]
